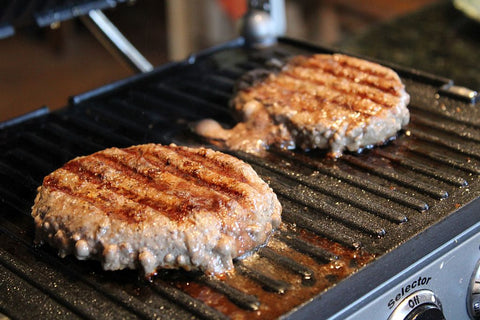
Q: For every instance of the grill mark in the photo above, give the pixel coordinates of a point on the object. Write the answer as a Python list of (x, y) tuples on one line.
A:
[(381, 77), (98, 179), (374, 69), (331, 85), (224, 168), (361, 83), (127, 214), (193, 176), (179, 211), (318, 100), (52, 182), (184, 205), (332, 99), (350, 121)]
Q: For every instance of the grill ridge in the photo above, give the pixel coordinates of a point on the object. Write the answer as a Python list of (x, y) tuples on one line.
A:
[(14, 200), (193, 305), (16, 289), (290, 264), (427, 189), (438, 112), (185, 99), (306, 197), (460, 130), (438, 157), (126, 110), (43, 147), (17, 177), (240, 298), (67, 269), (466, 148), (319, 226), (416, 166), (359, 182), (95, 128), (215, 94), (315, 182), (46, 282), (68, 138), (268, 283), (33, 164), (136, 131), (320, 254)]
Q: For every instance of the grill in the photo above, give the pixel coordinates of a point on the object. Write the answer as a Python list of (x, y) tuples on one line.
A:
[(24, 13), (351, 225)]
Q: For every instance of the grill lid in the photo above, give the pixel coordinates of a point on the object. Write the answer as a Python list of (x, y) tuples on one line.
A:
[(20, 14)]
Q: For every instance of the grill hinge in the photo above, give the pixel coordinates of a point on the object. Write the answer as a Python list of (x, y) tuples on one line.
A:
[(112, 39)]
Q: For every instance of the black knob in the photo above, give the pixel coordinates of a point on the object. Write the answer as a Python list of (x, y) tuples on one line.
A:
[(426, 312)]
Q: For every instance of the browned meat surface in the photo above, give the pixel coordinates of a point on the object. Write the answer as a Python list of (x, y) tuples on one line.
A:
[(154, 206), (333, 102)]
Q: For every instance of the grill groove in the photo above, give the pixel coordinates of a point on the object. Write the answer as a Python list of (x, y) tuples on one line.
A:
[(240, 298), (359, 182), (287, 263), (415, 166), (466, 148), (193, 305), (335, 190), (462, 131), (306, 197), (320, 254), (47, 281), (319, 225), (409, 182), (269, 284), (438, 157)]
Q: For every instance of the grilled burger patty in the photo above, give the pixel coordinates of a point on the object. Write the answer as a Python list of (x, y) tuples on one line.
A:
[(156, 206), (333, 102)]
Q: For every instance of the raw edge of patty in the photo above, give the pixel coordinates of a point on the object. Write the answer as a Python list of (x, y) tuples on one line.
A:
[(203, 238)]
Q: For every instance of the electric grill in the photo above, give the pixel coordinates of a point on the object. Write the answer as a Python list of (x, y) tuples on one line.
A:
[(390, 232)]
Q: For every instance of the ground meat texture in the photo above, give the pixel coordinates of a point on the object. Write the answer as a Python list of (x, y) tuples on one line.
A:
[(333, 102), (153, 206)]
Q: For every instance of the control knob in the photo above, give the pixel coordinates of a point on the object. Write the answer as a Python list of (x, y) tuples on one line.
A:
[(473, 296), (420, 305)]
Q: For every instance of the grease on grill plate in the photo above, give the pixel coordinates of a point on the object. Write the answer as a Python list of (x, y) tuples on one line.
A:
[(294, 267)]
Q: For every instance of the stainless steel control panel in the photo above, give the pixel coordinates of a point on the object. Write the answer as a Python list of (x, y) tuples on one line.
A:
[(442, 283)]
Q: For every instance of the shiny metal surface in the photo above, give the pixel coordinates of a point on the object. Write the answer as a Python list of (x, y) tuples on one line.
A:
[(414, 301), (114, 41), (264, 22)]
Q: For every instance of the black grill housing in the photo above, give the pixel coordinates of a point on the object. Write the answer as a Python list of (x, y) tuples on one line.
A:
[(28, 13), (392, 204)]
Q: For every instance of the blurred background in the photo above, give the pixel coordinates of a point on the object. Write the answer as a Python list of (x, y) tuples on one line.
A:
[(45, 66)]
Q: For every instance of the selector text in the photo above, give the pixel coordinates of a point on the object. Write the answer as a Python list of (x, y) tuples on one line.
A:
[(413, 286)]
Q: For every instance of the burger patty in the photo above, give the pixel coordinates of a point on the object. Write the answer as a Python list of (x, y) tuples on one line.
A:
[(155, 206), (323, 101)]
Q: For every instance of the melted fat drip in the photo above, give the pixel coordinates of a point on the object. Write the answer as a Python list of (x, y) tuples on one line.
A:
[(255, 135)]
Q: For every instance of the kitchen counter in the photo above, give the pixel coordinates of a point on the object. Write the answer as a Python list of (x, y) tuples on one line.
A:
[(438, 39)]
